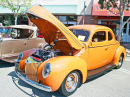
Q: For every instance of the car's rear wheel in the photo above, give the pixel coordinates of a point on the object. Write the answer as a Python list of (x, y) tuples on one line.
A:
[(70, 83), (120, 62)]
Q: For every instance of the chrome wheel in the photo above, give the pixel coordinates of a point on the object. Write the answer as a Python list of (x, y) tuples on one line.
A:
[(120, 62), (71, 82)]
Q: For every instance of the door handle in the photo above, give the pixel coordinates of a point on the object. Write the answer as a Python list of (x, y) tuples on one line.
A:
[(106, 48)]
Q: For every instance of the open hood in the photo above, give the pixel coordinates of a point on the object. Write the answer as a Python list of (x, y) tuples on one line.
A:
[(51, 27)]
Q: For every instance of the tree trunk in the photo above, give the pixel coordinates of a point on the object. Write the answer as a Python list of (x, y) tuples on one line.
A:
[(119, 36), (16, 17)]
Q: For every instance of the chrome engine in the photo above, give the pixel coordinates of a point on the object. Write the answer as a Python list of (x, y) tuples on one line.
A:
[(44, 54)]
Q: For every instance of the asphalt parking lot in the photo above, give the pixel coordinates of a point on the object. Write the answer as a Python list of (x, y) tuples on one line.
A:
[(115, 83)]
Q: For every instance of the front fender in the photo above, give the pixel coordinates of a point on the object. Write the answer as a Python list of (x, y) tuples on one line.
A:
[(60, 68), (118, 52), (25, 55)]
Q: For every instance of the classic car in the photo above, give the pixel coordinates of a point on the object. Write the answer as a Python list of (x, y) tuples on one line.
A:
[(72, 56), (17, 38)]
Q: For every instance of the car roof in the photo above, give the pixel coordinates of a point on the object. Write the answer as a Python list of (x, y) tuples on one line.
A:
[(91, 28), (21, 27), (5, 27)]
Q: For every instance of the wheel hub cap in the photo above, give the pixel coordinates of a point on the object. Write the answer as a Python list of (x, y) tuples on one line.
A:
[(71, 82), (120, 61)]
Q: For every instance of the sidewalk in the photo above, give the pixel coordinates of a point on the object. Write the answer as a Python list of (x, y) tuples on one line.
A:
[(127, 47)]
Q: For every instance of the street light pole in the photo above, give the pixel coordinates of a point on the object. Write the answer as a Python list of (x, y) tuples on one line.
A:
[(84, 11)]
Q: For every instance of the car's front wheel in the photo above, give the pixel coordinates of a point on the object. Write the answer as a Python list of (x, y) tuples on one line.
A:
[(120, 62), (70, 83)]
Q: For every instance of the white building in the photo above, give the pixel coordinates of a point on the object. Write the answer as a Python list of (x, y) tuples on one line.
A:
[(70, 12)]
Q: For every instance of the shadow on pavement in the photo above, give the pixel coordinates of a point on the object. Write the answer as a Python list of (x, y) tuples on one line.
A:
[(21, 85), (4, 64)]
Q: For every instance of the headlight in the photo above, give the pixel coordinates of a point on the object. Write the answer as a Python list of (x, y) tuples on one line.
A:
[(20, 57), (46, 70)]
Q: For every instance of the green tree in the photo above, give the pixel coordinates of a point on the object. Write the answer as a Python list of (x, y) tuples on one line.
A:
[(16, 6), (121, 6)]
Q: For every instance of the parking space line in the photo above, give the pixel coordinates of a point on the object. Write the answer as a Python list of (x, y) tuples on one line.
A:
[(124, 70)]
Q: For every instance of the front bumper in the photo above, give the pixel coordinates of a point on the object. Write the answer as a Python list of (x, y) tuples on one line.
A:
[(32, 83)]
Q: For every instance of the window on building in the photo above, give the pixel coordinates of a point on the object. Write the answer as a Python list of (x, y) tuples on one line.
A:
[(23, 20), (125, 28), (7, 20), (57, 17), (68, 20), (63, 18), (24, 17), (1, 18), (12, 20), (129, 29), (72, 18)]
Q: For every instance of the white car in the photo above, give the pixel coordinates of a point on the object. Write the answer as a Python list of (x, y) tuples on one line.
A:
[(17, 38)]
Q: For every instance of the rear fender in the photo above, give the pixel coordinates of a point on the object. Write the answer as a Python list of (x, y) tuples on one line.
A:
[(60, 68), (119, 51)]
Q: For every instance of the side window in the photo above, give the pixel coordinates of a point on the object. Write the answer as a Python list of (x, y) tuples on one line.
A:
[(109, 36), (25, 33), (99, 36)]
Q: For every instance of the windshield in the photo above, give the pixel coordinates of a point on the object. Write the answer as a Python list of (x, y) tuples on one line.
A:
[(82, 35)]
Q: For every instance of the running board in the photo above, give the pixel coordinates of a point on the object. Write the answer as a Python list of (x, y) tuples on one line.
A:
[(99, 71)]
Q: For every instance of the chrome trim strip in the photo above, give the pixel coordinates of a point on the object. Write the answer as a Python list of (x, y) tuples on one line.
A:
[(32, 83), (103, 45)]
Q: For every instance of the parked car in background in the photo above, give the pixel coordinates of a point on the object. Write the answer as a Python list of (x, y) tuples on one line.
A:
[(17, 38), (85, 52), (5, 32), (40, 35)]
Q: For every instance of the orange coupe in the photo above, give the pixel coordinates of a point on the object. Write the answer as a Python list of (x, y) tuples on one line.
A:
[(72, 56)]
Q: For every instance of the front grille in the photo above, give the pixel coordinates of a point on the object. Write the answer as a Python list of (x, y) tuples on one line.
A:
[(31, 70)]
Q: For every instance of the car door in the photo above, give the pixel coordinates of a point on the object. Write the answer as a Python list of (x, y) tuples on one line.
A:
[(12, 47), (112, 46), (18, 45), (97, 50), (35, 42)]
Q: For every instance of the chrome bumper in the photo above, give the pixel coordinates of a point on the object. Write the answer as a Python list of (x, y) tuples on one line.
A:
[(32, 83)]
